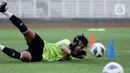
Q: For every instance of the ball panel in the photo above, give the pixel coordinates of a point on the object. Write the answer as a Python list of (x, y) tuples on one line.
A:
[(95, 51)]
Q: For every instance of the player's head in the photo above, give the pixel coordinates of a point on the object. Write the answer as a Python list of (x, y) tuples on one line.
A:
[(79, 42)]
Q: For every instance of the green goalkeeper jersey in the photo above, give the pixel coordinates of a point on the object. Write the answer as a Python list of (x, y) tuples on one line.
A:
[(53, 51)]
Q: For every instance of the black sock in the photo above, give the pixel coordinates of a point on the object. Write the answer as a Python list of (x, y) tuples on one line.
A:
[(18, 23), (12, 53)]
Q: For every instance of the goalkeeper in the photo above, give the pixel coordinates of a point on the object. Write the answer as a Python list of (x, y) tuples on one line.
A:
[(39, 49)]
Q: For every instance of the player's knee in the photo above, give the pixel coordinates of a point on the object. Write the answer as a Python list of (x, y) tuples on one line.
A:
[(29, 35), (26, 56)]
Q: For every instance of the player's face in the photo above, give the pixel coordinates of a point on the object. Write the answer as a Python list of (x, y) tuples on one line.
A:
[(79, 47)]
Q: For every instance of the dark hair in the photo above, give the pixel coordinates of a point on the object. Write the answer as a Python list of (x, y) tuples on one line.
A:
[(83, 39), (76, 40)]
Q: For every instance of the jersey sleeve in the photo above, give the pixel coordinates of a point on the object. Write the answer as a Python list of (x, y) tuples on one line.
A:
[(65, 41)]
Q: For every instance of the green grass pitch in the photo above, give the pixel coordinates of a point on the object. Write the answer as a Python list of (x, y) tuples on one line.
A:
[(13, 38)]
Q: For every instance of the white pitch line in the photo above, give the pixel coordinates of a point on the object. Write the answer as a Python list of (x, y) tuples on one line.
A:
[(96, 29)]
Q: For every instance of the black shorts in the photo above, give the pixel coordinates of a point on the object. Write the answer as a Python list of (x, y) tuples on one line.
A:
[(36, 48)]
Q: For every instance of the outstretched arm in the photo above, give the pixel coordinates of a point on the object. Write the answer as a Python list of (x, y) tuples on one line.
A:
[(67, 52)]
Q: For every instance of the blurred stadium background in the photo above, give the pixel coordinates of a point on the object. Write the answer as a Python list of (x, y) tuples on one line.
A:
[(71, 11), (68, 13)]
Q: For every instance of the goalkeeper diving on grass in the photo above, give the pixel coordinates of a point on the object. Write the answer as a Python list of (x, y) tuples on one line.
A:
[(39, 49)]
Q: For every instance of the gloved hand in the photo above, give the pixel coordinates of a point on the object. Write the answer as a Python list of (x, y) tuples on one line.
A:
[(79, 54), (82, 52), (73, 45)]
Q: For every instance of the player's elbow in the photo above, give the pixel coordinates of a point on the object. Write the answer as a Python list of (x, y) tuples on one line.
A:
[(65, 49)]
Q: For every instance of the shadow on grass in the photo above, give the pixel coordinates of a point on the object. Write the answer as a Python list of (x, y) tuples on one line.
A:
[(88, 61), (78, 61)]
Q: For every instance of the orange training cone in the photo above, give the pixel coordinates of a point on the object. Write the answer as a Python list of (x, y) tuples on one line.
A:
[(92, 40)]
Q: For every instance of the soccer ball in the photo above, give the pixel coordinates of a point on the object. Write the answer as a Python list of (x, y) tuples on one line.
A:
[(113, 67), (98, 49)]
